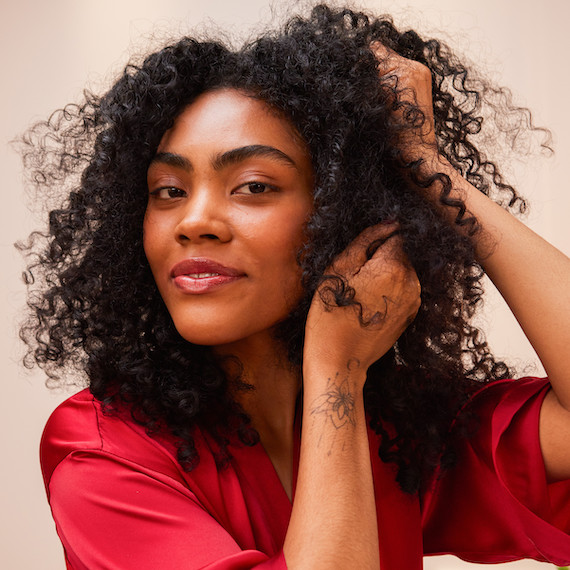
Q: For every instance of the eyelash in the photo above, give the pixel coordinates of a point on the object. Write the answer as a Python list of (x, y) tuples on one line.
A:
[(157, 193), (255, 183), (181, 193)]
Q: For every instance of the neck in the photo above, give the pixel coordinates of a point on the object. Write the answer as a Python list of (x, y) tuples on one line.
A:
[(275, 383), (271, 401)]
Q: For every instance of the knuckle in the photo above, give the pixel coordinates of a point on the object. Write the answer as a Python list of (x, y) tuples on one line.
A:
[(420, 69)]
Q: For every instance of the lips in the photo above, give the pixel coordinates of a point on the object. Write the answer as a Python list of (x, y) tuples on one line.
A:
[(201, 275)]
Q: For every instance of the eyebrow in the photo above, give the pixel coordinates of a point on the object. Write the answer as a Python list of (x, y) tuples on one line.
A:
[(172, 159), (256, 150), (221, 161)]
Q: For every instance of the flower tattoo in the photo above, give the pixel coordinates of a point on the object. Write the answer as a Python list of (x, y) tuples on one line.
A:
[(337, 403)]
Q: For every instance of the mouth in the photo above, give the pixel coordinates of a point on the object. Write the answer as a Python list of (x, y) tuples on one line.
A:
[(202, 268), (201, 275)]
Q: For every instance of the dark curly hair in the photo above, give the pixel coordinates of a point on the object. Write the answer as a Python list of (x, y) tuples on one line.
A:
[(94, 304)]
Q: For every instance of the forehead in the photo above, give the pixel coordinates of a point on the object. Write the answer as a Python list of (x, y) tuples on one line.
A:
[(228, 118)]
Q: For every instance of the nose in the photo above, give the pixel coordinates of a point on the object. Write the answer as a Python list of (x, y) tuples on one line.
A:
[(204, 218)]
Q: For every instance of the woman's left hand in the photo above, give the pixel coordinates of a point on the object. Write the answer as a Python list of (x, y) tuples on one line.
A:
[(531, 274), (413, 83)]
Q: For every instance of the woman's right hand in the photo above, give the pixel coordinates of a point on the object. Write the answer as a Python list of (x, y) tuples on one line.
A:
[(386, 287)]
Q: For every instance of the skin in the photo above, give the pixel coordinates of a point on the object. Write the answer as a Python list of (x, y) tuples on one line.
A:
[(334, 487), (246, 213), (333, 523)]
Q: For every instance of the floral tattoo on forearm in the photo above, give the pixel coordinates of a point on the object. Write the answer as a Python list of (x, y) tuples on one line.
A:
[(337, 403)]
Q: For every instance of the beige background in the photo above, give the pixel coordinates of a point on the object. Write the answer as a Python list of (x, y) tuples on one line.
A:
[(51, 50)]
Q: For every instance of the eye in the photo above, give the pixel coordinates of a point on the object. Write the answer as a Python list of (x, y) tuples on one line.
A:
[(253, 188), (168, 193)]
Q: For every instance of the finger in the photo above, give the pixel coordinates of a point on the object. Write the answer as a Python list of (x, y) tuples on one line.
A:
[(389, 61), (363, 248), (381, 51), (390, 262), (415, 76)]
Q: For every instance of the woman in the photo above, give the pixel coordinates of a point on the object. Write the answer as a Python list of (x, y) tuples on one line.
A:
[(281, 240)]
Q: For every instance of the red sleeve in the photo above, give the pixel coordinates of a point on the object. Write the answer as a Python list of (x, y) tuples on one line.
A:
[(496, 505), (120, 500), (113, 514)]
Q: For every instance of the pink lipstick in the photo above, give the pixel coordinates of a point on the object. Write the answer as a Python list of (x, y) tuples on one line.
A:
[(200, 275)]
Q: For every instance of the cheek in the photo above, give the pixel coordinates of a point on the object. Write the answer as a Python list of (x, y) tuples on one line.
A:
[(151, 237), (154, 236), (283, 250), (289, 227)]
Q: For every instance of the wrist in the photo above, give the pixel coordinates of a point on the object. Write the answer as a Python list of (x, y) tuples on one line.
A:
[(321, 373)]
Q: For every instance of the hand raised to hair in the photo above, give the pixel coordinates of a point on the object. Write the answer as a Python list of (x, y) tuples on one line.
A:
[(412, 81), (386, 289)]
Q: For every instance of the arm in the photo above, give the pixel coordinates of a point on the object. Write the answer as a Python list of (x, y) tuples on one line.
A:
[(534, 279), (531, 275), (333, 522)]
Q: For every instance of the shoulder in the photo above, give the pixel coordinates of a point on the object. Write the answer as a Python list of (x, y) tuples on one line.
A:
[(80, 425), (508, 395), (504, 407)]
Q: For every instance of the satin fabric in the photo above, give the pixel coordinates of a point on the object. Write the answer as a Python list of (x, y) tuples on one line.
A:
[(120, 499)]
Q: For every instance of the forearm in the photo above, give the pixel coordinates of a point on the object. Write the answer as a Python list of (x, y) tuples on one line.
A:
[(333, 523), (531, 274)]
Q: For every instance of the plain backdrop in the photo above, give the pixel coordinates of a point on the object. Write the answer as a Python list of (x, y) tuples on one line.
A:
[(51, 50)]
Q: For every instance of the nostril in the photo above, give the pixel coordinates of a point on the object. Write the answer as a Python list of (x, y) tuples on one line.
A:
[(184, 237)]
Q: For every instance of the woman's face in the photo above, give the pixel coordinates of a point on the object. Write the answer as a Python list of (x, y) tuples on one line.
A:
[(230, 189)]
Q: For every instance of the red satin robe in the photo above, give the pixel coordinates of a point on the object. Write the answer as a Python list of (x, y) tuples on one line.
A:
[(120, 499)]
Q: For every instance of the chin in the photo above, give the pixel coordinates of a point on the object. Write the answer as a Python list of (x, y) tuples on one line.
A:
[(225, 333), (209, 337), (227, 327), (212, 334)]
